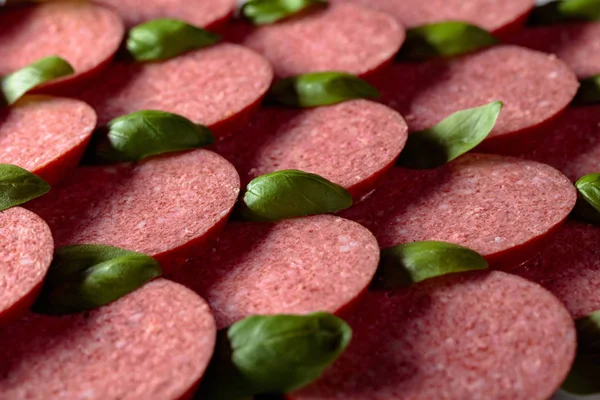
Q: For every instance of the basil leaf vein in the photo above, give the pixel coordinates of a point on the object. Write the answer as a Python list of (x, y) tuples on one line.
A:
[(588, 201), (261, 12), (18, 186)]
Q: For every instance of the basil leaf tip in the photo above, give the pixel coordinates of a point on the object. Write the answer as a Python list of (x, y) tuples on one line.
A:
[(16, 84), (84, 277), (451, 138), (588, 201), (588, 92), (320, 89), (18, 186), (292, 193), (444, 39), (261, 12), (564, 11), (164, 38)]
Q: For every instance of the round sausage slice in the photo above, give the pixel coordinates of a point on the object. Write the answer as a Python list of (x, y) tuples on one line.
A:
[(295, 266), (217, 86), (352, 144), (162, 206), (83, 33), (26, 249), (534, 87), (154, 343), (343, 37), (45, 135), (501, 207), (204, 13), (482, 335)]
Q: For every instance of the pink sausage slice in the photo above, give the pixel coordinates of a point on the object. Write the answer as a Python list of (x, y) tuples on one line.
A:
[(154, 344), (483, 335), (352, 144), (502, 207), (534, 87), (216, 86), (26, 249), (162, 206), (203, 13), (84, 34), (344, 37), (45, 135), (297, 266)]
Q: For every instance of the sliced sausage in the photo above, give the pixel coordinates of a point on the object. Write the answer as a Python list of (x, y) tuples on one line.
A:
[(215, 86), (481, 335), (501, 207), (26, 249), (352, 144), (45, 135), (84, 34), (344, 37), (295, 266), (162, 206), (154, 343)]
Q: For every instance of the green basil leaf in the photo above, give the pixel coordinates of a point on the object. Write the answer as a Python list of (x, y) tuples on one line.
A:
[(583, 377), (18, 186), (589, 91), (565, 10), (454, 136), (409, 263), (588, 202), (261, 12), (292, 193), (444, 39), (142, 134), (164, 38), (588, 334), (320, 89), (84, 277), (16, 84)]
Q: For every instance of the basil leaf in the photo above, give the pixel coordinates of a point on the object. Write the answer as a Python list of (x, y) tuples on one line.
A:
[(409, 263), (292, 193), (84, 277), (454, 136), (444, 39), (320, 89), (16, 84), (142, 134), (588, 202), (589, 91), (18, 186), (583, 378), (261, 12), (565, 10), (164, 38)]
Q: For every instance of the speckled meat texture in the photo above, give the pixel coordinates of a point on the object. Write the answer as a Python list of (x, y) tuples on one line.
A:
[(577, 44), (351, 144), (492, 204), (84, 34), (484, 335), (158, 206), (26, 249), (207, 86), (534, 87), (570, 267), (154, 344), (296, 266), (203, 13), (573, 145), (45, 135), (341, 37)]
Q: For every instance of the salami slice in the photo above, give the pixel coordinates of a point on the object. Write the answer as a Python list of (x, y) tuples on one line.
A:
[(534, 87), (154, 343), (204, 13), (576, 44), (217, 86), (502, 18), (162, 206), (570, 267), (45, 135), (344, 37), (352, 144), (26, 249), (296, 266), (480, 335), (84, 34), (502, 207)]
